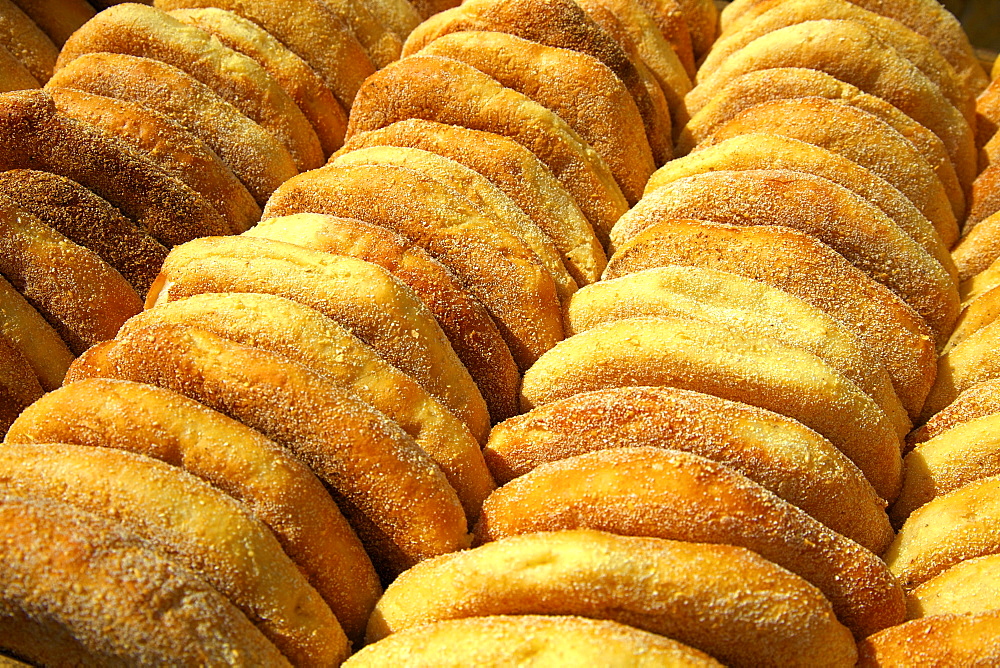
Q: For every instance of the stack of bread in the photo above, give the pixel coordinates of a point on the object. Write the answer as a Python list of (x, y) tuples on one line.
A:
[(946, 553), (154, 128), (695, 407)]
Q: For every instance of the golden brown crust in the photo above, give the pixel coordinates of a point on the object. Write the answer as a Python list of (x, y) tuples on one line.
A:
[(13, 75), (962, 454), (192, 522), (972, 361), (466, 323), (721, 599), (558, 23), (669, 65), (515, 170), (449, 91), (987, 113), (495, 266), (850, 52), (158, 610), (87, 220), (910, 45), (577, 87), (978, 401), (550, 640), (385, 313), (760, 150), (27, 330), (305, 336), (979, 247), (307, 28), (791, 261), (964, 588), (19, 385), (977, 313), (925, 17), (985, 200), (858, 136), (951, 528), (851, 226), (941, 640), (78, 293), (702, 18), (26, 42), (983, 282), (318, 20), (780, 454), (299, 80), (254, 155), (761, 86), (277, 488), (713, 359), (485, 198), (138, 30), (395, 497), (168, 144), (679, 496), (752, 308), (57, 18), (35, 135)]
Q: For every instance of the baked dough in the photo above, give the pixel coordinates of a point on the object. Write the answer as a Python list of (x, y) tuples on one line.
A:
[(779, 453), (260, 161), (558, 23), (19, 385), (752, 308), (675, 495), (582, 90), (168, 144), (849, 51), (35, 135), (147, 32), (980, 400), (960, 455), (78, 292), (57, 18), (377, 308), (449, 91), (192, 522), (753, 88), (944, 640), (277, 488), (299, 80), (486, 198), (910, 45), (492, 264), (713, 359), (845, 222), (925, 17), (517, 172), (761, 150), (724, 600), (550, 640), (305, 336), (66, 573), (26, 41), (395, 497), (860, 137), (310, 30), (798, 264), (27, 330), (87, 220), (951, 528), (468, 326)]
